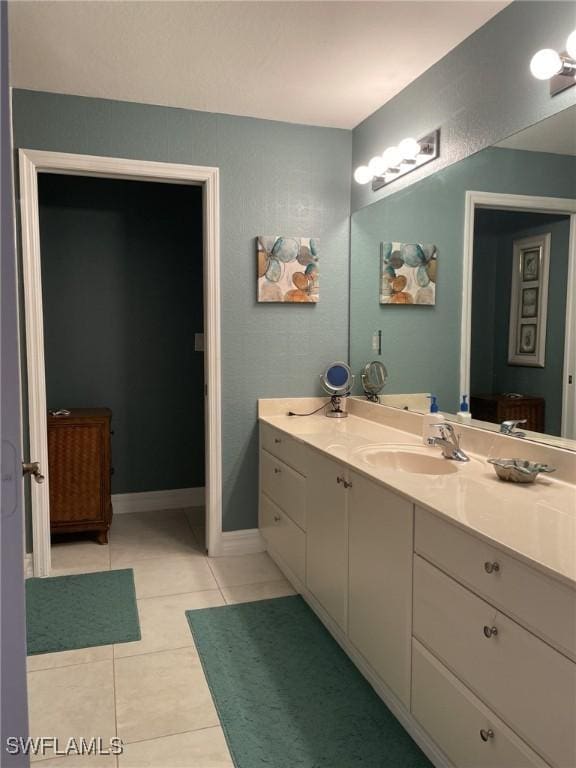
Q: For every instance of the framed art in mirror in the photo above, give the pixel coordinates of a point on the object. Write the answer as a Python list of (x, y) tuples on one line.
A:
[(529, 301)]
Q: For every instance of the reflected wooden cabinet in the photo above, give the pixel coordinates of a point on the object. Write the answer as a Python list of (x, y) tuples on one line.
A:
[(79, 472), (499, 408)]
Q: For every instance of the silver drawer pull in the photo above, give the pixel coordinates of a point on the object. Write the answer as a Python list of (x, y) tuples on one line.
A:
[(491, 567), (277, 470), (486, 734), (277, 518), (490, 631), (277, 440)]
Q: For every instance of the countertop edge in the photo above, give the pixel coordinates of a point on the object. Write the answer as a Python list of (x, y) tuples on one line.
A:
[(518, 555)]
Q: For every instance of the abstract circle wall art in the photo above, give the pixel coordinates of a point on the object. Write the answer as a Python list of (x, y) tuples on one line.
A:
[(408, 273), (288, 269)]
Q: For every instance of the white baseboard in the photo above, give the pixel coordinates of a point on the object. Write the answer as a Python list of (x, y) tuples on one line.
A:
[(153, 501), (28, 565), (246, 542)]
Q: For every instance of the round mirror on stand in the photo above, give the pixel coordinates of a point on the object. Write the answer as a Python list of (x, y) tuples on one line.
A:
[(374, 378), (337, 380)]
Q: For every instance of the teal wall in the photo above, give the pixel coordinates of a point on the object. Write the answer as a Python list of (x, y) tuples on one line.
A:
[(421, 345), (495, 232), (276, 178), (478, 94), (122, 298)]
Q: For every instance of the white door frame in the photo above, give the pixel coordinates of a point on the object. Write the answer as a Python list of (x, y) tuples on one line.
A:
[(33, 162), (535, 204)]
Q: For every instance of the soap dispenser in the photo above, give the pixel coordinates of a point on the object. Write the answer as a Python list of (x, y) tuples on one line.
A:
[(429, 432), (464, 412)]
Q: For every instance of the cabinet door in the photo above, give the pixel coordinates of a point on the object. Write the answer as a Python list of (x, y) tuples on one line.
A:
[(327, 536), (531, 686), (380, 604), (77, 475)]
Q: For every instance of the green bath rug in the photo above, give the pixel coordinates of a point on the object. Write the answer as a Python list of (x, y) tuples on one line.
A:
[(68, 612), (289, 697)]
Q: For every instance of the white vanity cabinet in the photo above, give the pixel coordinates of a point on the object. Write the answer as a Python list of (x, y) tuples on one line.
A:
[(381, 527), (471, 647), (282, 506), (359, 565), (327, 536), (479, 620)]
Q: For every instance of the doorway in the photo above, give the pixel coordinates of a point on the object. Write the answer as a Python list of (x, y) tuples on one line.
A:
[(110, 171)]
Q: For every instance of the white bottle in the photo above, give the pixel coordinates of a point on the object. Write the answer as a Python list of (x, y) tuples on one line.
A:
[(429, 431)]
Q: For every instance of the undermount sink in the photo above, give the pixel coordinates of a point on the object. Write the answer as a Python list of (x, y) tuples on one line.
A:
[(414, 459)]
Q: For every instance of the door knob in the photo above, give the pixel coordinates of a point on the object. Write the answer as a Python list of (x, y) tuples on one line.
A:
[(32, 468)]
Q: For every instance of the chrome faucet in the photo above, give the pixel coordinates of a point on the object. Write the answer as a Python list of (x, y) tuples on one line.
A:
[(509, 427), (449, 441)]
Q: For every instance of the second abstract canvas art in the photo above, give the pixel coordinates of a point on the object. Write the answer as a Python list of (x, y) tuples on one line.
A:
[(408, 273)]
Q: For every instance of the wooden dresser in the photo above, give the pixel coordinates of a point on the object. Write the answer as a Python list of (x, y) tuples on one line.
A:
[(79, 471), (499, 408)]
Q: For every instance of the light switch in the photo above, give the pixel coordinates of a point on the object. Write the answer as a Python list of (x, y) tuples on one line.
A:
[(198, 342)]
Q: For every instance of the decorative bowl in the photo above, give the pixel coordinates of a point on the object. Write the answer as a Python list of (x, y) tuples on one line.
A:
[(519, 470)]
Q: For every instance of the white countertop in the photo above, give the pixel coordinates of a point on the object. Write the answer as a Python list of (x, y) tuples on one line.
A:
[(534, 522)]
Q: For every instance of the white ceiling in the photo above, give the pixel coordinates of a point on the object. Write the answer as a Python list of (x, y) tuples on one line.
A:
[(556, 134), (321, 63)]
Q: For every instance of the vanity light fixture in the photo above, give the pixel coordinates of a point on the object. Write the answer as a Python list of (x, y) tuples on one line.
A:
[(397, 161), (559, 68)]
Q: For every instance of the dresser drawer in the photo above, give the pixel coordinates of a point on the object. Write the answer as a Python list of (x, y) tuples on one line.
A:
[(284, 486), (283, 536), (527, 683), (285, 448), (470, 734), (542, 604)]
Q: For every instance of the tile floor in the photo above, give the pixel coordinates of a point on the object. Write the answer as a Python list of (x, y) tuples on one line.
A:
[(151, 693)]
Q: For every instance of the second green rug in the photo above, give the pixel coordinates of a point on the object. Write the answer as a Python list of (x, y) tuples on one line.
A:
[(289, 697), (68, 612)]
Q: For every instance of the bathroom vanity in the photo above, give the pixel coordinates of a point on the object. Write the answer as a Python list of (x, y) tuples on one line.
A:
[(454, 593)]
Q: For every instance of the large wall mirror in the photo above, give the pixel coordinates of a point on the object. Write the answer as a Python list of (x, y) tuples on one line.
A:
[(467, 279)]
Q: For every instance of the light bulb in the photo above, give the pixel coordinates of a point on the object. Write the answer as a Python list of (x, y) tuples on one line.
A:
[(363, 174), (545, 64), (392, 157), (409, 148), (376, 166), (571, 45)]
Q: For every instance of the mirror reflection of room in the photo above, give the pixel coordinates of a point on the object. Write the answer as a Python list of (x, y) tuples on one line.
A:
[(506, 381), (503, 281)]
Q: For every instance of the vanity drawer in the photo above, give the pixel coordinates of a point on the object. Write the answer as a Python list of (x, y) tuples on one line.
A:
[(470, 734), (283, 536), (527, 683), (283, 447), (284, 486), (542, 604)]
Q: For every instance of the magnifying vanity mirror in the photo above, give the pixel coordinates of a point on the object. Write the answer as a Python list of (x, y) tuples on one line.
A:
[(500, 325), (337, 380), (374, 378)]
